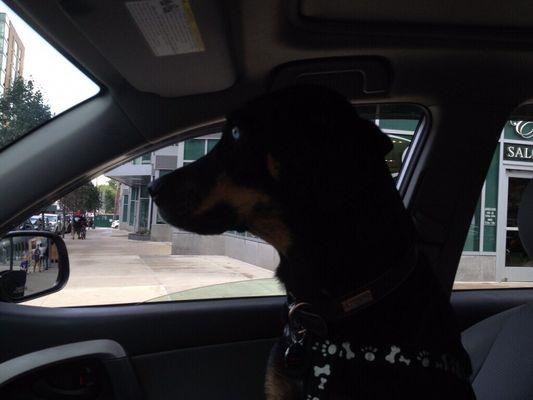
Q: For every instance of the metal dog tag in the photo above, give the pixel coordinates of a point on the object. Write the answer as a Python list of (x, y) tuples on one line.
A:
[(295, 357)]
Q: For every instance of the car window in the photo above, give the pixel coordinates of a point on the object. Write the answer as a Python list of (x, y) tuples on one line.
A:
[(130, 254), (36, 82), (497, 252)]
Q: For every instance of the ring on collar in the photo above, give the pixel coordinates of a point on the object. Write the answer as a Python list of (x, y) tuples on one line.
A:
[(297, 329), (303, 319)]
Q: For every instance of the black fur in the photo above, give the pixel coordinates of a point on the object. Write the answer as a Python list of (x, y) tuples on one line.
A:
[(316, 186)]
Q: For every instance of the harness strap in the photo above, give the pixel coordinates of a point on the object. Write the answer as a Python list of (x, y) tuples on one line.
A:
[(329, 357)]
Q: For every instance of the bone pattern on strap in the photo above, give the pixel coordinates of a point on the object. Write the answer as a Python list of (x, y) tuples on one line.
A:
[(328, 355)]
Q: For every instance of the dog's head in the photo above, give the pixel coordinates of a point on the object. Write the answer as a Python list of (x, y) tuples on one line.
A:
[(281, 157)]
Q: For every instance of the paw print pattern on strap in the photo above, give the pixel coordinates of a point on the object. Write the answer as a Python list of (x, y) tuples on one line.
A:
[(369, 353), (329, 350), (326, 348)]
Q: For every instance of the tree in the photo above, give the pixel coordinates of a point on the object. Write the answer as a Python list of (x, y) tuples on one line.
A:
[(22, 108), (108, 195), (85, 198)]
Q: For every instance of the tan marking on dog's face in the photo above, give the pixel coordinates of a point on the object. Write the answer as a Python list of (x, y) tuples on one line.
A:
[(270, 228), (273, 166), (242, 199)]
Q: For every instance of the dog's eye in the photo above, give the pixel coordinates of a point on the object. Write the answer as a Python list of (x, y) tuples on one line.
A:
[(236, 133)]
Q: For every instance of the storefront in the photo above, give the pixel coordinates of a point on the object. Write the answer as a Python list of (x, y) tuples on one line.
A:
[(493, 249)]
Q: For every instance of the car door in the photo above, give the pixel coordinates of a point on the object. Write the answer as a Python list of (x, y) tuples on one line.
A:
[(170, 347), (209, 348)]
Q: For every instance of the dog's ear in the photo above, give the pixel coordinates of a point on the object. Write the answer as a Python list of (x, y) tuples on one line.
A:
[(320, 124), (317, 145)]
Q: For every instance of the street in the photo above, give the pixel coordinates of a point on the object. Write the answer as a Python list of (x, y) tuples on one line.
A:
[(107, 268)]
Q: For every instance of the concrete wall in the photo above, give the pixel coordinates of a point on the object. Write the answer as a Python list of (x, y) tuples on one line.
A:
[(251, 251), (477, 268), (125, 226), (472, 268), (245, 249), (161, 233)]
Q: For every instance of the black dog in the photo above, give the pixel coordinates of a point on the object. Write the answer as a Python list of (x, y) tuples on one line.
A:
[(367, 318)]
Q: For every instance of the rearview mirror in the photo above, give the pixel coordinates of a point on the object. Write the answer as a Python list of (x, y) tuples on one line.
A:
[(32, 264)]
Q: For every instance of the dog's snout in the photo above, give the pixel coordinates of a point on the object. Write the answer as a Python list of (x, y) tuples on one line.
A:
[(155, 186)]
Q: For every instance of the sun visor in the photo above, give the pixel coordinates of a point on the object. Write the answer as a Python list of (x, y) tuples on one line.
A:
[(168, 47)]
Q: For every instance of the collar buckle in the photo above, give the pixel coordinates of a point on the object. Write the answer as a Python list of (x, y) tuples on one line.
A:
[(302, 319)]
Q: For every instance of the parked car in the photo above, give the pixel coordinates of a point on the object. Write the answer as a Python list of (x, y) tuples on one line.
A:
[(52, 222), (26, 225), (36, 221), (468, 67), (115, 224)]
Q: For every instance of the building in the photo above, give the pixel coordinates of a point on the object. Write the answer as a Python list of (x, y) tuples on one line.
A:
[(493, 249), (136, 210), (12, 53), (138, 214)]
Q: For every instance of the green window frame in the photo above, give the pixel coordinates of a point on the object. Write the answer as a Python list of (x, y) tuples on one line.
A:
[(146, 158), (125, 205), (194, 149)]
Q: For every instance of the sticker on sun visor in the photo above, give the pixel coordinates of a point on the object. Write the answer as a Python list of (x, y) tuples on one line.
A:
[(168, 26)]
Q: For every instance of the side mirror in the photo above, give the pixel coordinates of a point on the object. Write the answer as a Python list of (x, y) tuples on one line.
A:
[(32, 264)]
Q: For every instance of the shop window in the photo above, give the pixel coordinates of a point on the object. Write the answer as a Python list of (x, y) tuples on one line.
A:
[(197, 148), (395, 124), (210, 144), (194, 149), (143, 191), (131, 219), (144, 207), (125, 209), (146, 158), (399, 122), (133, 205)]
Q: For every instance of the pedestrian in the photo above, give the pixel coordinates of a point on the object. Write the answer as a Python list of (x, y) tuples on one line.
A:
[(37, 259), (76, 224), (24, 263)]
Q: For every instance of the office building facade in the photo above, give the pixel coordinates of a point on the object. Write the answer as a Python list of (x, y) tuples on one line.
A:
[(12, 53)]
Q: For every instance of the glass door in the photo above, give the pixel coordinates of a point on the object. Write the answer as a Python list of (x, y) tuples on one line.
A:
[(514, 263)]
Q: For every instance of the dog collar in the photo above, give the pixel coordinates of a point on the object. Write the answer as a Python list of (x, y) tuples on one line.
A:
[(315, 317)]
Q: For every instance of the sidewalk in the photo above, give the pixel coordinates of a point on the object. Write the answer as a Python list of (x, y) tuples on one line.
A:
[(107, 268)]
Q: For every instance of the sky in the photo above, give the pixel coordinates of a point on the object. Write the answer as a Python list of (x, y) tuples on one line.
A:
[(61, 83)]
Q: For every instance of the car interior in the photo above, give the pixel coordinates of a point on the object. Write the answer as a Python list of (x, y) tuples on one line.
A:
[(467, 65)]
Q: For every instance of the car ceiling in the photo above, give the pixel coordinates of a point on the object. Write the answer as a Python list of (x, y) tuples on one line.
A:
[(468, 64), (246, 40)]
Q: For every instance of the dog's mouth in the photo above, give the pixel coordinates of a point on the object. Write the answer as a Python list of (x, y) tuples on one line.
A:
[(214, 221)]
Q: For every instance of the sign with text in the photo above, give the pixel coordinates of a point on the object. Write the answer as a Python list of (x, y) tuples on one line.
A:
[(518, 152), (490, 217)]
